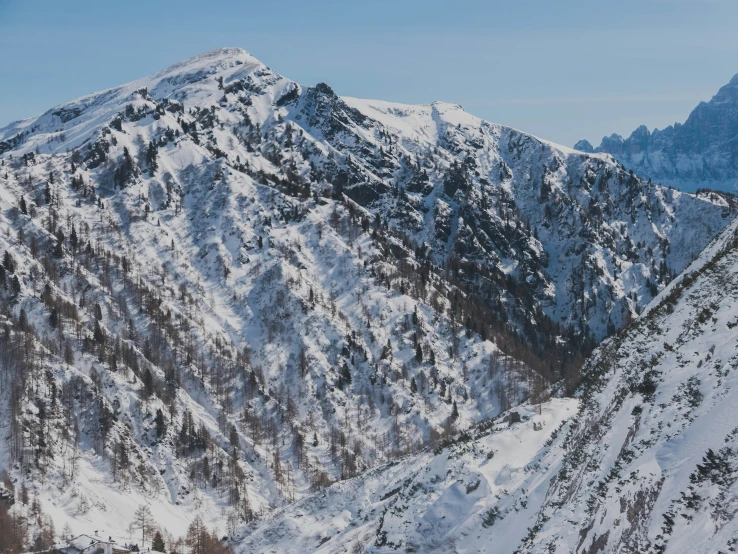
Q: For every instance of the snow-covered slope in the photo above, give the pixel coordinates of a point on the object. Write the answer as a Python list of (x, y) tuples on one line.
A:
[(479, 494), (650, 465), (247, 309), (585, 239), (205, 343), (230, 291), (645, 463)]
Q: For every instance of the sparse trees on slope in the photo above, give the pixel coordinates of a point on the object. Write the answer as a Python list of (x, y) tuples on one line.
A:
[(200, 541), (12, 540)]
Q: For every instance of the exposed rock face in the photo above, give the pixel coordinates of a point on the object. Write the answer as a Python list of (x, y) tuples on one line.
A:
[(6, 497)]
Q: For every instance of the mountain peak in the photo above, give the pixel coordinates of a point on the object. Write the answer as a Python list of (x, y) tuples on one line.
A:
[(195, 79), (227, 53), (584, 146), (441, 105), (214, 59)]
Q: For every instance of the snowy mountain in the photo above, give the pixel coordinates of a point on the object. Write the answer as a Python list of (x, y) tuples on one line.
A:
[(702, 152), (221, 291), (642, 460), (580, 236)]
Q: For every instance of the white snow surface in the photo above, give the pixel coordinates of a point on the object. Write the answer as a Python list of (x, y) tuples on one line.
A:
[(431, 502)]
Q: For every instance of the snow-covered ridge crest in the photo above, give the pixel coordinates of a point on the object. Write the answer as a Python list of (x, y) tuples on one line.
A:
[(211, 61), (83, 116)]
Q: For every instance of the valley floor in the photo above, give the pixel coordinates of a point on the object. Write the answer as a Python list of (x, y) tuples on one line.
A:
[(474, 495)]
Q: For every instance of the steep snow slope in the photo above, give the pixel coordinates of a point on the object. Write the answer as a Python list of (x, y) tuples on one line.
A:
[(587, 238), (699, 153), (264, 344), (651, 464), (646, 464), (476, 495)]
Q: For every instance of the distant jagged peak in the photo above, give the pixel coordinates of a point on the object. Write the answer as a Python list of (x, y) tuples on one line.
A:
[(611, 144), (734, 81), (690, 155), (641, 131), (727, 94), (584, 146)]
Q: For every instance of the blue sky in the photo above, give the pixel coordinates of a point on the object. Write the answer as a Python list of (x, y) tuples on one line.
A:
[(561, 70)]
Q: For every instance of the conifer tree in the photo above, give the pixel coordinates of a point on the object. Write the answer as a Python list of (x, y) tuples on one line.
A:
[(157, 543), (8, 262), (15, 286), (151, 157), (159, 421), (73, 239), (233, 437)]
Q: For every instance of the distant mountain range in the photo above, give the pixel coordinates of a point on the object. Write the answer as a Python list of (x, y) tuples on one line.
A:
[(702, 152)]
